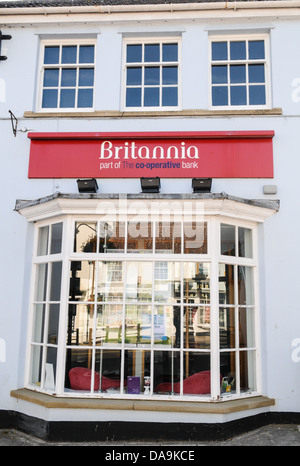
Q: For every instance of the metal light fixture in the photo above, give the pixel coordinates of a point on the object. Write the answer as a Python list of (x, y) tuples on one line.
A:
[(87, 186), (3, 37), (201, 185), (150, 185)]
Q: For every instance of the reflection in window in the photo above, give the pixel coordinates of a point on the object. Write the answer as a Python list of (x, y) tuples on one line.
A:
[(112, 237), (140, 237), (139, 281), (195, 238), (168, 238)]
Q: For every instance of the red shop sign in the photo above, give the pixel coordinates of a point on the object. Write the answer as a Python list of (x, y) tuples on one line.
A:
[(222, 154)]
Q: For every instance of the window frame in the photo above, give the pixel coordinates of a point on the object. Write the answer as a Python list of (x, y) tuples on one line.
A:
[(213, 257), (143, 64), (235, 38), (60, 43)]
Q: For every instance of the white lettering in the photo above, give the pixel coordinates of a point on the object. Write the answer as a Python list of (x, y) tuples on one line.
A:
[(131, 151)]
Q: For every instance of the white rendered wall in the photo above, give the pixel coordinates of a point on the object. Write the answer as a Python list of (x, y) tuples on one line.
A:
[(278, 238)]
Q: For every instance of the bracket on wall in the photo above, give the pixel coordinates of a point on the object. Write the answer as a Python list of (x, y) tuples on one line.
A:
[(3, 37), (14, 122)]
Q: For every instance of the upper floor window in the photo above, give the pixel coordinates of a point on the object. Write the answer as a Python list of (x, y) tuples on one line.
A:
[(67, 77), (239, 72), (151, 74)]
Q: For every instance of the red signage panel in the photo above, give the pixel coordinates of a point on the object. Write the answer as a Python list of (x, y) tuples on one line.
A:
[(222, 154)]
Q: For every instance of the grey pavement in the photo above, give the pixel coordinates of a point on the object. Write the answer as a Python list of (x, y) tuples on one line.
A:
[(271, 435)]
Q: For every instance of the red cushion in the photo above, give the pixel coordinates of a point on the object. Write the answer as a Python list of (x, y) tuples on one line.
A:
[(196, 384), (80, 379)]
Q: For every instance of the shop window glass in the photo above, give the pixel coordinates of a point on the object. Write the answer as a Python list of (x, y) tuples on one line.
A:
[(149, 321)]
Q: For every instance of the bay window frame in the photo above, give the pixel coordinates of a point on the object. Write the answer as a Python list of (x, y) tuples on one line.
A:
[(213, 256)]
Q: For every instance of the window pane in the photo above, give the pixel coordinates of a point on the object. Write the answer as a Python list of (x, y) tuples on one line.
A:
[(51, 78), (53, 323), (256, 73), (69, 54), (56, 238), (50, 369), (166, 372), (36, 365), (219, 95), (196, 327), (257, 95), (38, 323), (67, 98), (219, 51), (228, 372), (68, 77), (245, 285), (138, 325), (51, 56), (41, 282), (168, 237), (134, 53), (195, 238), (237, 74), (139, 281), (136, 368), (246, 327), (170, 52), (78, 370), (110, 281), (248, 370), (85, 239), (109, 324), (152, 75), (219, 75), (82, 281), (55, 281), (140, 237), (133, 97), (112, 237), (151, 97), (166, 281), (226, 284), (227, 240), (170, 75), (227, 328), (238, 95), (196, 287), (86, 77), (256, 49), (238, 50), (245, 242), (166, 328), (86, 54), (80, 326), (85, 98), (196, 376), (49, 98), (43, 239), (152, 53), (134, 76), (107, 371), (169, 96)]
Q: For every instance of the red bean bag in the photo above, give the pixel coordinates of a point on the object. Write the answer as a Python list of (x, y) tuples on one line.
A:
[(80, 379), (196, 384)]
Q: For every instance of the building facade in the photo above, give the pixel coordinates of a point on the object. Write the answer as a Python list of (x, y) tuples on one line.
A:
[(149, 239)]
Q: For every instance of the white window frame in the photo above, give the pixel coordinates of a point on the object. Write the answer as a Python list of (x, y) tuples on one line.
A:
[(266, 61), (243, 218), (77, 65), (143, 41)]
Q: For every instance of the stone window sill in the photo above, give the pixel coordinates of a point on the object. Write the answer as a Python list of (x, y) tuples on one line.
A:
[(224, 407), (157, 114)]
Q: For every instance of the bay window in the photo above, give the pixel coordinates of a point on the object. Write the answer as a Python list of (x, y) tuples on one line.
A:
[(124, 307)]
